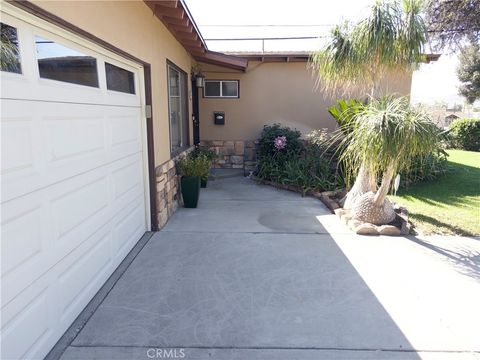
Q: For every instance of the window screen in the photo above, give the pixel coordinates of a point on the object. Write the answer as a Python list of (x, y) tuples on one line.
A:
[(119, 79), (10, 55), (58, 62)]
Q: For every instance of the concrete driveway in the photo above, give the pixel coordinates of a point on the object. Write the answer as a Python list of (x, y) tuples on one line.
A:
[(260, 273)]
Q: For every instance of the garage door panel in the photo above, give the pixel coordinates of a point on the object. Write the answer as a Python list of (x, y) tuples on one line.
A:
[(75, 207), (89, 138), (125, 134), (126, 225), (33, 323), (127, 180), (17, 146), (26, 322), (21, 239), (77, 276)]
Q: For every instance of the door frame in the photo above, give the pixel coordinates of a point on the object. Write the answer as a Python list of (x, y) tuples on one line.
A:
[(42, 19), (195, 112)]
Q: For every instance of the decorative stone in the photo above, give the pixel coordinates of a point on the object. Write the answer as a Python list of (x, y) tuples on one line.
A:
[(333, 205), (249, 143), (339, 212), (366, 229), (406, 228), (389, 230), (345, 218), (228, 143), (239, 147), (353, 224), (237, 160), (217, 142)]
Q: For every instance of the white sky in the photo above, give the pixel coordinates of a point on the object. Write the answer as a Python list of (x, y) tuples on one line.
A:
[(435, 82)]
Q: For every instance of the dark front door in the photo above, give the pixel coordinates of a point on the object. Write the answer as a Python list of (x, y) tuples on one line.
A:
[(195, 113)]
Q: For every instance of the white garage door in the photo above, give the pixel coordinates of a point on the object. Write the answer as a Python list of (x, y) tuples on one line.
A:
[(73, 173)]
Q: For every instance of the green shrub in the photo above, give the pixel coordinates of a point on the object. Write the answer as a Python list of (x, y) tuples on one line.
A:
[(203, 151), (465, 134), (344, 111), (192, 166), (270, 132), (302, 165)]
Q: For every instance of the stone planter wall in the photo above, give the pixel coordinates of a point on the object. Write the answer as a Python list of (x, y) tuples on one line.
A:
[(233, 154)]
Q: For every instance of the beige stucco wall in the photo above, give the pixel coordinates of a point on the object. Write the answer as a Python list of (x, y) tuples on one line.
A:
[(131, 26), (274, 92)]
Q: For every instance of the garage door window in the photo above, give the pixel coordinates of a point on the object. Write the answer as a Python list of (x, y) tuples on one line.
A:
[(10, 55), (58, 62), (119, 79)]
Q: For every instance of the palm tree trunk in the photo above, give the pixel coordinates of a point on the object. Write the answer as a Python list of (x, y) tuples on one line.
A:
[(364, 182), (382, 191)]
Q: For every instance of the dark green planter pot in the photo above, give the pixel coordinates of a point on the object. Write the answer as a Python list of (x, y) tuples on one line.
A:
[(190, 191), (203, 182)]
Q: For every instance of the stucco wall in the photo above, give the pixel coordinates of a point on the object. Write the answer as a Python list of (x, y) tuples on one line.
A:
[(132, 27), (273, 92)]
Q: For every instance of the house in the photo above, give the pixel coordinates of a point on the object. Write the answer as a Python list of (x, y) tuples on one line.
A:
[(97, 100)]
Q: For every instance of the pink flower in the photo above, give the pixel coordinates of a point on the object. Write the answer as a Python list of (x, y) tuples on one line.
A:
[(280, 142)]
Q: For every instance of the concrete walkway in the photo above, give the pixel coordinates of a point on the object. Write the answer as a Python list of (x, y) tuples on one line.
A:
[(260, 273)]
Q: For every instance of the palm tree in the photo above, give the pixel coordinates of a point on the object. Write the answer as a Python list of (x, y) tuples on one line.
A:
[(386, 135), (390, 39)]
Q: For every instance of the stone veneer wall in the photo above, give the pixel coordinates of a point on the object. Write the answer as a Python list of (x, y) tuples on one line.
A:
[(168, 187), (233, 154), (167, 191)]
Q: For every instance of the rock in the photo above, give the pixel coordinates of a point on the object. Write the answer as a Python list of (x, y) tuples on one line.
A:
[(339, 212), (406, 228), (239, 147), (345, 218), (366, 229), (238, 160), (353, 224), (389, 230), (333, 205)]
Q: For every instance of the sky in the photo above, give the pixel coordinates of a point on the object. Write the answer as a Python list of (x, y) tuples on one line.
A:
[(434, 82)]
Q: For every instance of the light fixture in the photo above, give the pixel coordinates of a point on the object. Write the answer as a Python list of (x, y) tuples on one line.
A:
[(200, 80)]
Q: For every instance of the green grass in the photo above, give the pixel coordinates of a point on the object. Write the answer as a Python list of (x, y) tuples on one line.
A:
[(449, 204)]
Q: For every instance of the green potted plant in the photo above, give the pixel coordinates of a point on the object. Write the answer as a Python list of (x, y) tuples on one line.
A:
[(207, 156), (190, 169)]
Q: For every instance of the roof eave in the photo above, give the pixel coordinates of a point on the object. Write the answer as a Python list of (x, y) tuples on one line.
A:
[(176, 17)]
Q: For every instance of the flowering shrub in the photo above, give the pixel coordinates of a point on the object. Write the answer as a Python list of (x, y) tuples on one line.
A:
[(287, 160), (280, 142), (271, 132)]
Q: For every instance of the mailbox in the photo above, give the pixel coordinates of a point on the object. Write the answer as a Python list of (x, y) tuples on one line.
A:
[(219, 118)]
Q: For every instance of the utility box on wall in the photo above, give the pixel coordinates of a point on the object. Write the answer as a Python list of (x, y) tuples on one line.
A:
[(219, 118)]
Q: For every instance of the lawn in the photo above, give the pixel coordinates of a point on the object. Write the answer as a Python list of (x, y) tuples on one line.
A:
[(449, 204)]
